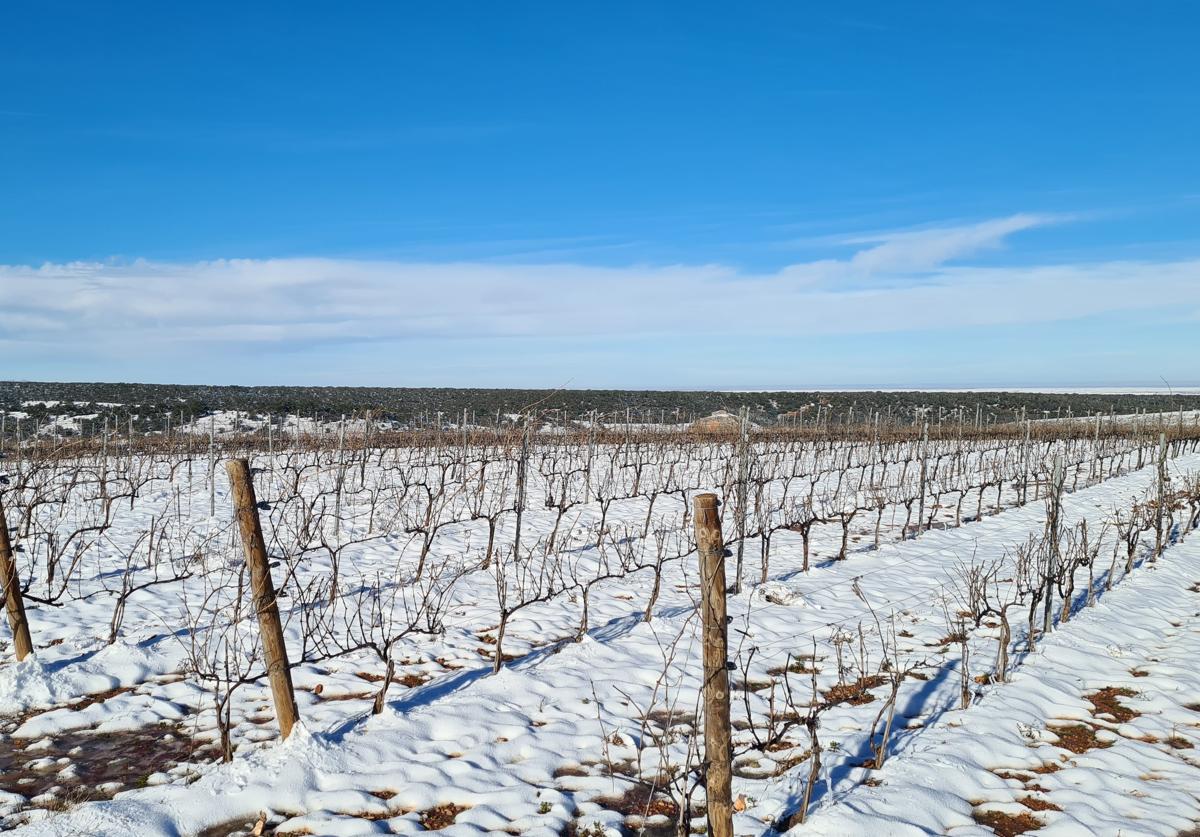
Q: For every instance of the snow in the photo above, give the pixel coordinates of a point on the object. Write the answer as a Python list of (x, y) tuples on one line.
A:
[(552, 737), (1149, 624)]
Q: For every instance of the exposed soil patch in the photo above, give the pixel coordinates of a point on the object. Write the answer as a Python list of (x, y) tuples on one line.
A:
[(1007, 825), (667, 718), (1079, 738), (856, 693), (1035, 803), (488, 654), (442, 816), (797, 665), (571, 770), (1105, 702), (640, 801), (411, 680), (83, 766), (98, 697)]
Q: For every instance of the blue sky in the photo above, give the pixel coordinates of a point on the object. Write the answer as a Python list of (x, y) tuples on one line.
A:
[(601, 194)]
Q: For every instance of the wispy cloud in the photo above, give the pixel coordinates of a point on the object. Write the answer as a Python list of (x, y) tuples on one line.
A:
[(902, 252), (917, 283)]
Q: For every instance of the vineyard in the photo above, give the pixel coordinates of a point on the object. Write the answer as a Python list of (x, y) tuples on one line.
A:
[(501, 629)]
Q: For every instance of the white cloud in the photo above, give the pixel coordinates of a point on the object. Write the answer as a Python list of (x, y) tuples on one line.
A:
[(120, 308), (900, 253), (909, 252)]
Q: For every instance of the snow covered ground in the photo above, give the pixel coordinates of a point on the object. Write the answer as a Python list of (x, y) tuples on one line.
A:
[(1019, 750), (598, 732)]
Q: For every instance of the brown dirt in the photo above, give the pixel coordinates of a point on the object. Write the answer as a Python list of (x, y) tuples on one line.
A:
[(1079, 738), (1007, 825), (1035, 803), (1048, 767), (98, 697), (127, 757), (1008, 774), (1105, 702), (440, 817), (571, 770), (640, 801), (667, 718), (856, 693), (798, 665)]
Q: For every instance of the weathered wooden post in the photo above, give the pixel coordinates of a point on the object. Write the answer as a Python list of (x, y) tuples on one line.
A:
[(13, 603), (718, 753), (271, 628)]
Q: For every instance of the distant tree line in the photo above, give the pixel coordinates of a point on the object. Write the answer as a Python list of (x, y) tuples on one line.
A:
[(149, 404)]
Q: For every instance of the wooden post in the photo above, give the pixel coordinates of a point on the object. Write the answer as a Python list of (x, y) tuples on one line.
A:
[(270, 627), (717, 736), (13, 603)]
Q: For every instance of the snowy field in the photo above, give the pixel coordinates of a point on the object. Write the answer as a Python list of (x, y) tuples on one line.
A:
[(503, 637)]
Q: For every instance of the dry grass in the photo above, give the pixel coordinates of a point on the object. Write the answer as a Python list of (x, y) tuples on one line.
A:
[(948, 639), (856, 693), (804, 664)]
